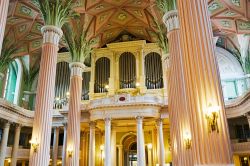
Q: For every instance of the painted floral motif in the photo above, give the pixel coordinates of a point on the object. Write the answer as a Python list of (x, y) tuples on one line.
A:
[(236, 2)]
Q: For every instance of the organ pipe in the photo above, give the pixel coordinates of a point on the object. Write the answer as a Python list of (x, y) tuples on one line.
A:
[(127, 70), (153, 70), (85, 85), (102, 74), (62, 84)]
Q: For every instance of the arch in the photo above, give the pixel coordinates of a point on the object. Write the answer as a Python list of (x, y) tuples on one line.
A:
[(102, 74), (13, 81), (153, 71), (125, 136), (230, 70), (229, 66), (127, 70)]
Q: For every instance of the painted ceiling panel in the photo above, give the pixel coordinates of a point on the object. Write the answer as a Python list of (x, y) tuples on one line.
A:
[(107, 19)]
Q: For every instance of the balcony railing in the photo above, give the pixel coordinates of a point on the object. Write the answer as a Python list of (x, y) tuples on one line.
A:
[(233, 88)]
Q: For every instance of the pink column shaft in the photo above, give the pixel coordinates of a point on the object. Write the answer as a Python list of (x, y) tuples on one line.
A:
[(202, 85), (4, 5), (73, 130), (45, 96), (179, 123)]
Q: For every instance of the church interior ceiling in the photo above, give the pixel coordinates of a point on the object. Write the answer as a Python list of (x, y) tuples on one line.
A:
[(106, 20)]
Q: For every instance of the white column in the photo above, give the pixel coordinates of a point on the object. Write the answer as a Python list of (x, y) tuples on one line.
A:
[(113, 147), (92, 144), (150, 155), (64, 144), (55, 146), (120, 148), (4, 143), (107, 142), (16, 145), (161, 149), (140, 142)]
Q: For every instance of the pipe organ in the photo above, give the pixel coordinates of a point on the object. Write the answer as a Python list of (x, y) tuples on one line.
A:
[(153, 71), (126, 67), (102, 74), (62, 84), (127, 70), (85, 85)]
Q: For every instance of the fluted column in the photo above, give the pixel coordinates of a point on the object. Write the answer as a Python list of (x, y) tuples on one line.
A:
[(16, 145), (107, 142), (55, 146), (120, 158), (92, 144), (161, 150), (4, 5), (113, 147), (73, 133), (45, 96), (64, 144), (176, 88), (202, 88), (4, 142), (140, 142)]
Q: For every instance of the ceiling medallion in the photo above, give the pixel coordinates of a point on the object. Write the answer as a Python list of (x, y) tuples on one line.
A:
[(122, 16)]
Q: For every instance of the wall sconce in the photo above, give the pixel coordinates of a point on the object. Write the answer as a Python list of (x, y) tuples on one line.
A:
[(187, 140), (34, 144), (212, 115), (102, 147), (67, 94), (150, 146), (70, 152), (137, 84)]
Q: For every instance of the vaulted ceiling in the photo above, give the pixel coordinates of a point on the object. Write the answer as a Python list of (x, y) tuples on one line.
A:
[(107, 19)]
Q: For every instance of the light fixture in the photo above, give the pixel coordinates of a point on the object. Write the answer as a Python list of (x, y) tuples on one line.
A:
[(70, 152), (67, 94), (106, 87), (9, 160), (212, 115), (34, 144), (102, 147), (187, 140), (137, 84), (150, 146)]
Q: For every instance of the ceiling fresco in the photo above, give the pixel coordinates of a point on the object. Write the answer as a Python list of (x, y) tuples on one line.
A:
[(107, 19)]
